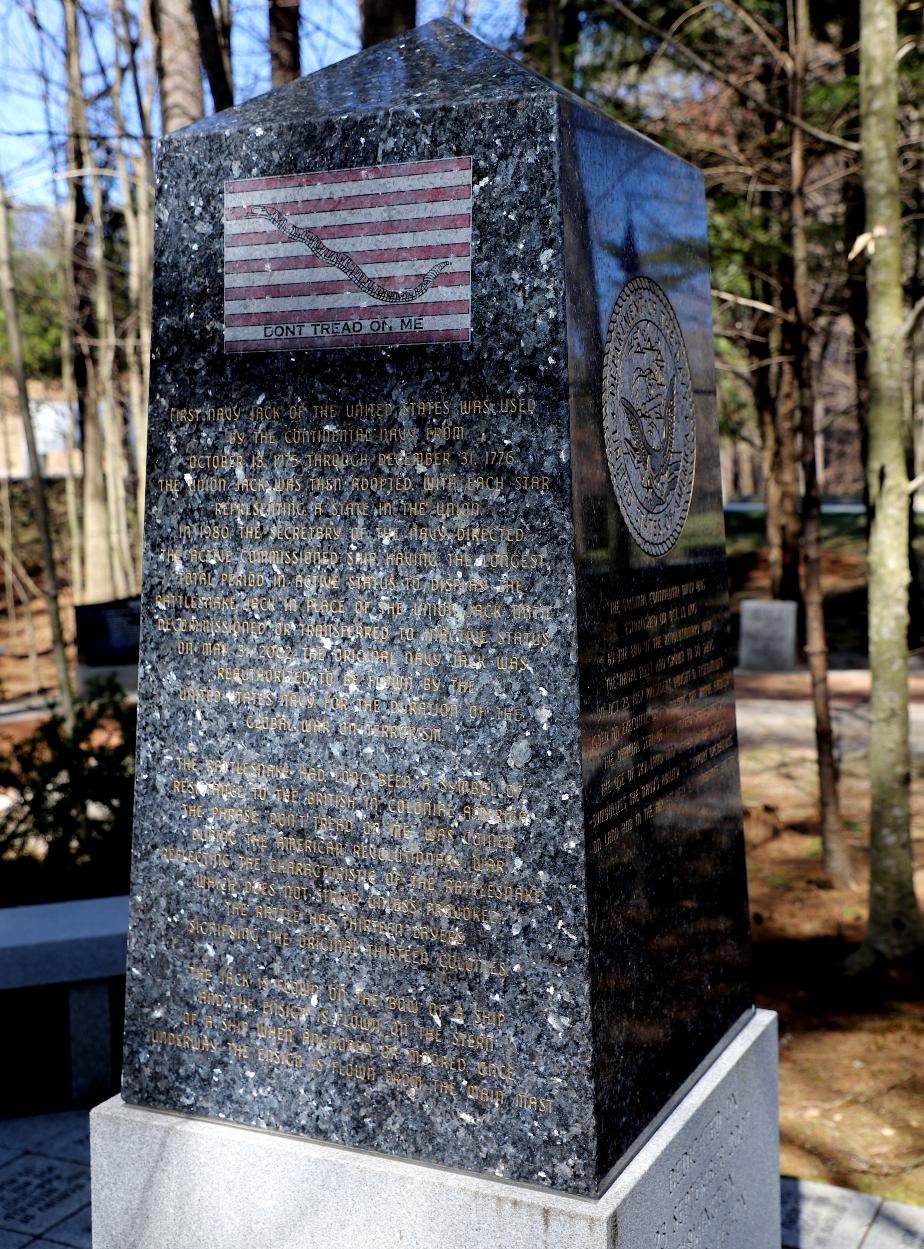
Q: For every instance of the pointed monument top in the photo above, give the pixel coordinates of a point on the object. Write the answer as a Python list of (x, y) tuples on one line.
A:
[(439, 63)]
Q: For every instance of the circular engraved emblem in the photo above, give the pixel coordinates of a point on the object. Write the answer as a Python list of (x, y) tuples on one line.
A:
[(648, 421)]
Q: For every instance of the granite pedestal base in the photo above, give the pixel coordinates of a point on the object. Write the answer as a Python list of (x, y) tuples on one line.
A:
[(708, 1177)]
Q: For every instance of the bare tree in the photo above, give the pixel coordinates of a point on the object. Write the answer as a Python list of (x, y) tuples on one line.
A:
[(383, 19), (98, 583), (833, 835), (114, 458), (75, 533), (9, 526), (11, 313), (136, 191), (179, 72), (773, 398), (783, 537), (143, 80), (285, 59), (896, 929), (214, 48), (68, 315)]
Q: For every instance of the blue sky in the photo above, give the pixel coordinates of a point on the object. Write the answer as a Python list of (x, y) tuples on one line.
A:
[(330, 32)]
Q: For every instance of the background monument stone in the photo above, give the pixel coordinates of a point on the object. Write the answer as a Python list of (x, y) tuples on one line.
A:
[(438, 844), (768, 639)]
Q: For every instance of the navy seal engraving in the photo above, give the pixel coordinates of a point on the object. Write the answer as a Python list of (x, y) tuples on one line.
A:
[(649, 424)]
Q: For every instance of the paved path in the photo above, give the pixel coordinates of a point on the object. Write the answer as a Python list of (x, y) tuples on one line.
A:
[(45, 1197), (819, 1216), (791, 725), (45, 1182)]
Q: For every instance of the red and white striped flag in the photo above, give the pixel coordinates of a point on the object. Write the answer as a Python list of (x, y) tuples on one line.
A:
[(349, 257)]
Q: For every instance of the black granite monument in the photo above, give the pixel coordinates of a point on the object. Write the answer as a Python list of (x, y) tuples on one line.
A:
[(438, 845)]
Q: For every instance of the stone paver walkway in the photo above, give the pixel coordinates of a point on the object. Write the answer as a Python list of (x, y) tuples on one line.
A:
[(820, 1216), (45, 1197), (45, 1182), (765, 723)]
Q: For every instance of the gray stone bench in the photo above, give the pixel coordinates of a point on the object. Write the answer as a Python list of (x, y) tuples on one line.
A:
[(79, 946)]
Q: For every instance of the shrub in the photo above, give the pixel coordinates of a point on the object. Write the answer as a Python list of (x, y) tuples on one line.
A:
[(67, 833)]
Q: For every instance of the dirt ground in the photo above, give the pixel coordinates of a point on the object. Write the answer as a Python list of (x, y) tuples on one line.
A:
[(851, 1070), (27, 666)]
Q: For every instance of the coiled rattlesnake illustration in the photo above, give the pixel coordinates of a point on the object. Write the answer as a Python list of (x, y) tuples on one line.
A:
[(344, 263)]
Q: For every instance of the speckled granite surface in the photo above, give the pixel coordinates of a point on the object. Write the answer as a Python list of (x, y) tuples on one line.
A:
[(365, 906)]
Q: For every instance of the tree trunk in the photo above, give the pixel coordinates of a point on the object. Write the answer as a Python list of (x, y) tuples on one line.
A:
[(895, 928), (223, 19), (11, 313), (836, 853), (382, 19), (551, 29), (98, 585), (854, 225), (536, 51), (914, 444), (759, 349), (214, 62), (135, 192), (179, 71), (9, 529), (784, 414), (285, 59), (97, 566), (114, 460), (785, 419), (744, 467), (144, 173), (70, 480), (773, 525), (70, 393)]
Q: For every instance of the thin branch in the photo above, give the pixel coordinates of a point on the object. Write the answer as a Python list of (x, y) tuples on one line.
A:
[(95, 171), (753, 303), (98, 136), (782, 58), (19, 570), (838, 176), (745, 371), (748, 439), (686, 17), (713, 72), (745, 335), (912, 319)]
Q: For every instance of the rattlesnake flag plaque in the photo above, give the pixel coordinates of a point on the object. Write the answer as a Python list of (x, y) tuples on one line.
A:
[(374, 256)]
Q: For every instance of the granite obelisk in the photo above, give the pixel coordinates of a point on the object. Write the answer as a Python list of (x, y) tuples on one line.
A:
[(438, 845)]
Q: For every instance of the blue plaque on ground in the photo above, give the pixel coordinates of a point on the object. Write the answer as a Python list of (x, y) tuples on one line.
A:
[(438, 843)]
